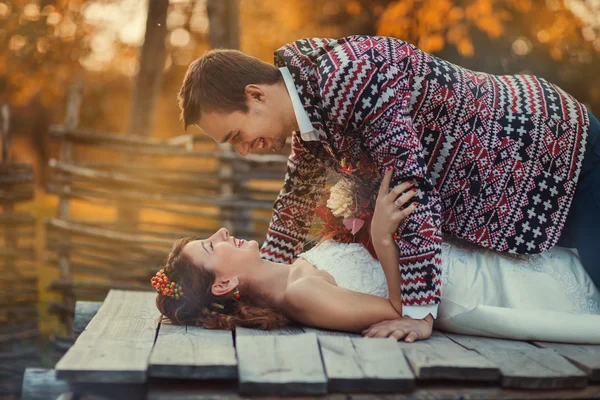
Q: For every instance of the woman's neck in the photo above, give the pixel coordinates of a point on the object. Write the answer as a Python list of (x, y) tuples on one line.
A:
[(268, 279)]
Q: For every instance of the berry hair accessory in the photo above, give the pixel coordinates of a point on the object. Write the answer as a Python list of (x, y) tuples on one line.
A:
[(164, 286)]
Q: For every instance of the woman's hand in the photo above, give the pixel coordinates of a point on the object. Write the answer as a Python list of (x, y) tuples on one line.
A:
[(402, 328), (391, 209)]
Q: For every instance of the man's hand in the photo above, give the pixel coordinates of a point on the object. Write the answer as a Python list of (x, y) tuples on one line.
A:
[(405, 327)]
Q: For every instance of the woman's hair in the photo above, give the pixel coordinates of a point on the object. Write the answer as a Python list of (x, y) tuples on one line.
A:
[(195, 307)]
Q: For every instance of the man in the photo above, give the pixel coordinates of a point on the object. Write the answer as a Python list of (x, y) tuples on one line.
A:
[(496, 158)]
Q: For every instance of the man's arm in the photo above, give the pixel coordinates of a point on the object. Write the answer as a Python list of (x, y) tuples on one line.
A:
[(376, 101), (294, 208)]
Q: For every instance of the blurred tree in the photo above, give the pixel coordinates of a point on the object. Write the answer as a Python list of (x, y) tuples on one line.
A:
[(40, 47), (223, 16), (556, 39), (432, 24)]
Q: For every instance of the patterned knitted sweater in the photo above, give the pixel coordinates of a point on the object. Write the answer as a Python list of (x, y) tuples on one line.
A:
[(496, 158)]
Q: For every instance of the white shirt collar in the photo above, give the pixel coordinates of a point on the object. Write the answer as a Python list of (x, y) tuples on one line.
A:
[(307, 131)]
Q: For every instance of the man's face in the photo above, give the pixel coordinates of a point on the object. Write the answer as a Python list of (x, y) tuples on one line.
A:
[(262, 127)]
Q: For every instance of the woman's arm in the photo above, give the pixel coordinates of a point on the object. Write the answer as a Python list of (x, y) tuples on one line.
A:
[(313, 301), (386, 218)]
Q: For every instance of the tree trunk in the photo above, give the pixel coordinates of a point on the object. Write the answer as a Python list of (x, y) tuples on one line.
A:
[(148, 82), (224, 27)]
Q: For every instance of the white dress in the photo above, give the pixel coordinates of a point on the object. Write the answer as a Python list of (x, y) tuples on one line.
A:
[(546, 296)]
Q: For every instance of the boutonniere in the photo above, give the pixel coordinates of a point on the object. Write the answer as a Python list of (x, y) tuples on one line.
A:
[(347, 215), (348, 168)]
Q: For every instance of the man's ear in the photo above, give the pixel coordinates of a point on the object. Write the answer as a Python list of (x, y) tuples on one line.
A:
[(254, 92), (224, 285)]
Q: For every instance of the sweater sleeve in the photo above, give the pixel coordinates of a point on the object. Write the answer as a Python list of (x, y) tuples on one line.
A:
[(372, 101), (294, 208)]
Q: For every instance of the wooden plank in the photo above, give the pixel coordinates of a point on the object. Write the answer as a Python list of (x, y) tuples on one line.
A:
[(285, 364), (192, 353), (117, 342), (164, 389), (17, 219), (144, 199), (84, 312), (42, 384), (586, 357), (68, 285), (327, 332), (21, 335), (131, 143), (286, 330), (474, 342), (440, 358), (365, 365), (535, 369), (524, 366)]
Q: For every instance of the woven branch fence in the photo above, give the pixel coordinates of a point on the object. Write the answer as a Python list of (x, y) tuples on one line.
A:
[(184, 186), (18, 292)]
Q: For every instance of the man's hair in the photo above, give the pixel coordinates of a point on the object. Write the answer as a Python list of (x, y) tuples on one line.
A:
[(217, 81)]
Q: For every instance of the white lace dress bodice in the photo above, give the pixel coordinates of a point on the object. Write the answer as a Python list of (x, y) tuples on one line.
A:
[(350, 265), (547, 296)]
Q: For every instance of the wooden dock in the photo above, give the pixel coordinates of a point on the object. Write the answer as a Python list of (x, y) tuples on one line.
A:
[(123, 353)]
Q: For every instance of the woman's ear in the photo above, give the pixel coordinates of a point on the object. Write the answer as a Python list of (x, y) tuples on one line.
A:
[(224, 285)]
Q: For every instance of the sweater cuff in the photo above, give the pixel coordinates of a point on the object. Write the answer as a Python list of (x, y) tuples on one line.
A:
[(419, 312)]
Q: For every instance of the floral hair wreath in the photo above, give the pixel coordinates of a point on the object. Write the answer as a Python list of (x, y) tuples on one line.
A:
[(164, 286)]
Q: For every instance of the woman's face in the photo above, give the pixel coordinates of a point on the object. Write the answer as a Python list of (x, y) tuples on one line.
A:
[(223, 253)]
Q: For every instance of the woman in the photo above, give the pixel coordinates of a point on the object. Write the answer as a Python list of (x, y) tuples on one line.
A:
[(222, 282)]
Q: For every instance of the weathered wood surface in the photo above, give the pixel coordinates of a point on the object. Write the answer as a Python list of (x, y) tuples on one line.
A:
[(63, 211), (524, 366), (184, 175), (68, 285), (287, 330), (327, 332), (307, 361), (162, 389), (17, 219), (42, 384), (365, 365), (134, 144), (279, 364), (586, 357), (116, 344), (84, 312), (147, 199), (440, 358), (474, 342), (189, 352)]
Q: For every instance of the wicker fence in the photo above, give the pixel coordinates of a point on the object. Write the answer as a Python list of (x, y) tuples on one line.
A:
[(187, 185), (18, 292)]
